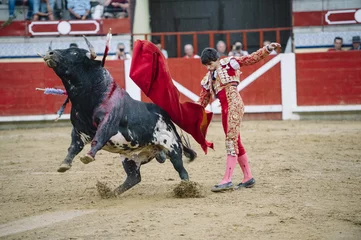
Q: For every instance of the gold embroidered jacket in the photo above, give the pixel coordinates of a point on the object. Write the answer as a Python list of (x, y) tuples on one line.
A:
[(227, 74)]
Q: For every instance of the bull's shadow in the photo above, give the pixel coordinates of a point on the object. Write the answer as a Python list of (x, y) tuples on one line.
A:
[(106, 116)]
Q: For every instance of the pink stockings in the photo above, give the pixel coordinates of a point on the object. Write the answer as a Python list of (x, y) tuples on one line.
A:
[(242, 159), (243, 162), (231, 163)]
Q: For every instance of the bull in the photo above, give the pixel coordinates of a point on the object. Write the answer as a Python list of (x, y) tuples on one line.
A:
[(104, 115)]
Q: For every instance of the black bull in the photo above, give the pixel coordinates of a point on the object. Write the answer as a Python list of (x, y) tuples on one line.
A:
[(106, 116)]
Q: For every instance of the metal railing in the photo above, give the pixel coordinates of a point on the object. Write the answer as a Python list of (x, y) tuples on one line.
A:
[(211, 34)]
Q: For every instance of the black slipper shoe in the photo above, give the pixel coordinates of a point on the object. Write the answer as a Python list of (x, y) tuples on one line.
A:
[(222, 187), (250, 183)]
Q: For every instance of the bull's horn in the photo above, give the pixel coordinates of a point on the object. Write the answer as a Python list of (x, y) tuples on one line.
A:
[(49, 48), (93, 55)]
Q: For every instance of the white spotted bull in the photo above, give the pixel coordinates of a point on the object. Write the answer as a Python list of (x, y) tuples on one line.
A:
[(105, 116)]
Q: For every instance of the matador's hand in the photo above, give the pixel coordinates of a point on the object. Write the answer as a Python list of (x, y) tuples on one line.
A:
[(273, 46)]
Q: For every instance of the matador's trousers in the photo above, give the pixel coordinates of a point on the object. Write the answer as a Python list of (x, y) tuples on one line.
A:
[(232, 113)]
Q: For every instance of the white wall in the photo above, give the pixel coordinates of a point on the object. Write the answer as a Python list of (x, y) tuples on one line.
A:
[(141, 18), (318, 5), (320, 38)]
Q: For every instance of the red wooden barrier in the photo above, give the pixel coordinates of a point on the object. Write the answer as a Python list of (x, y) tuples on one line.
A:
[(19, 80), (331, 78), (322, 79), (266, 90)]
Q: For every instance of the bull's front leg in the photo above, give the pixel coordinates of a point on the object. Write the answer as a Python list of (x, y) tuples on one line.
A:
[(107, 128), (77, 144)]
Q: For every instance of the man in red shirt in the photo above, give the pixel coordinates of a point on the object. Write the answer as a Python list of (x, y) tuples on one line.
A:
[(337, 42)]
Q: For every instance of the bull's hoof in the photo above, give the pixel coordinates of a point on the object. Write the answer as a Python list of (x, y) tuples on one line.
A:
[(87, 159), (119, 191), (64, 167)]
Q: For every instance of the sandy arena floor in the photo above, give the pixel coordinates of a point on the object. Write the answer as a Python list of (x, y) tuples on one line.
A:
[(308, 187)]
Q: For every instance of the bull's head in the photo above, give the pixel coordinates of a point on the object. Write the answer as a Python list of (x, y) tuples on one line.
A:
[(64, 60)]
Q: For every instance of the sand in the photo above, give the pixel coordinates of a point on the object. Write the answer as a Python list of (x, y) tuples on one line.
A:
[(308, 186)]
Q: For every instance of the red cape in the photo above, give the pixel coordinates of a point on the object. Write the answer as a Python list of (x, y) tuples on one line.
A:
[(149, 70)]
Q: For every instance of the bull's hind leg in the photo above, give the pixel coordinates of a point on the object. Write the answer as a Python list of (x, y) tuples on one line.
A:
[(175, 155), (75, 147), (133, 176)]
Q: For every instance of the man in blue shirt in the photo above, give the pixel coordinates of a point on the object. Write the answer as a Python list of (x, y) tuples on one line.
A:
[(79, 9)]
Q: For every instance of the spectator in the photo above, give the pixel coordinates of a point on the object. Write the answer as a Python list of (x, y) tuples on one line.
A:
[(120, 53), (73, 45), (43, 9), (266, 43), (189, 52), (97, 8), (59, 9), (12, 15), (79, 9), (356, 43), (237, 50), (221, 48), (116, 8), (337, 42), (159, 46)]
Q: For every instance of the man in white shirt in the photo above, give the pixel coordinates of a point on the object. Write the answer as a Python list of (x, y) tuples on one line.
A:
[(189, 51)]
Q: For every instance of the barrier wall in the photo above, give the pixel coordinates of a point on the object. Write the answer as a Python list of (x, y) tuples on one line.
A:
[(19, 80), (281, 87), (328, 78)]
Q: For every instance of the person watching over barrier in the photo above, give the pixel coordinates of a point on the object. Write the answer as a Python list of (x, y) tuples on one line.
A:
[(120, 53), (116, 8), (79, 9), (356, 43), (337, 43), (12, 14), (159, 46), (221, 48), (43, 9), (189, 51), (237, 50)]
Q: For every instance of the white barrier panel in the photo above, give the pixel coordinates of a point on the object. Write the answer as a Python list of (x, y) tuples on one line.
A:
[(288, 86)]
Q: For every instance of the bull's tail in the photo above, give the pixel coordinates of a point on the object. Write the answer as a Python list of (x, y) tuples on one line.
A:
[(184, 140), (187, 150)]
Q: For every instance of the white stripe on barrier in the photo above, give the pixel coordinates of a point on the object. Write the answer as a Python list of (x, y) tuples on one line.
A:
[(259, 72), (263, 108), (194, 97), (216, 109), (52, 117), (29, 118), (215, 105), (130, 86), (328, 108)]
